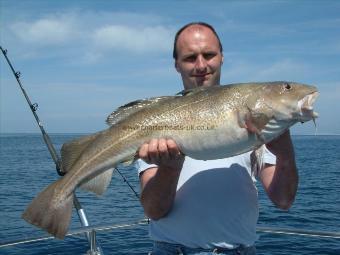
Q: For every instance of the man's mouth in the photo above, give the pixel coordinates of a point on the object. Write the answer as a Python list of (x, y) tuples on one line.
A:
[(201, 76)]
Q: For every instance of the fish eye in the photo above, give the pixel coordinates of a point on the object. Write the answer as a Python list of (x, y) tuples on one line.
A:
[(287, 86)]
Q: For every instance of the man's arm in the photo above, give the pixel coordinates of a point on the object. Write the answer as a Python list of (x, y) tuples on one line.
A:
[(280, 181), (158, 184)]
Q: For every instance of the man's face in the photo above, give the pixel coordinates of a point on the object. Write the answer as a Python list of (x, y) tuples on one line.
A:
[(199, 58)]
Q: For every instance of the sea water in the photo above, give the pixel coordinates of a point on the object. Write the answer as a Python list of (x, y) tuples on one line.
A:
[(26, 168)]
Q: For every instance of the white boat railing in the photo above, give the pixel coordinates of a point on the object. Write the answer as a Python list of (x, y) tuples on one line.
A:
[(99, 228)]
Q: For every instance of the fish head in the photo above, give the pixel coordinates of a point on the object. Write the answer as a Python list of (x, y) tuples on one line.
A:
[(290, 101)]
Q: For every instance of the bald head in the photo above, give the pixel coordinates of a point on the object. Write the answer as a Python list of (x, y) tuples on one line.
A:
[(198, 26), (198, 55)]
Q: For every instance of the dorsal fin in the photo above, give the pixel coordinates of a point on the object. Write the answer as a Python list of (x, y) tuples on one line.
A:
[(126, 110), (187, 92), (71, 151)]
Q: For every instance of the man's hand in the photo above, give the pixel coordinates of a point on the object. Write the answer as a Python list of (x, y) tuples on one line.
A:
[(158, 184), (162, 152)]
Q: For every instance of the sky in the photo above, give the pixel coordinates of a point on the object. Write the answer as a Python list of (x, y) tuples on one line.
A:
[(80, 60)]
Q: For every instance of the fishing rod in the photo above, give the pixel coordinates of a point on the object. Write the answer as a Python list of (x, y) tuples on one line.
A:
[(34, 107)]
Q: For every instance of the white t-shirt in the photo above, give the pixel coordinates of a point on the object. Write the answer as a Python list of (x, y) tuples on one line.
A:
[(216, 204)]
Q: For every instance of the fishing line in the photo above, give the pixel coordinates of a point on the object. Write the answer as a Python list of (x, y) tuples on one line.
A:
[(128, 183)]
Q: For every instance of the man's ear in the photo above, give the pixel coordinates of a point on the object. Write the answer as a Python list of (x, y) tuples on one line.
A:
[(222, 59), (176, 66)]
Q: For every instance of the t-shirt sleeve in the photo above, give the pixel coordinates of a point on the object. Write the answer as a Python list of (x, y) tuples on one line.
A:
[(141, 166), (268, 157), (257, 164)]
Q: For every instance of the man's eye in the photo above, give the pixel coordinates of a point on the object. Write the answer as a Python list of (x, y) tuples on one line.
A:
[(209, 55), (190, 58)]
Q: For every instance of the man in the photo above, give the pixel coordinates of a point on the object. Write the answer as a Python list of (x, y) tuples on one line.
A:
[(208, 207)]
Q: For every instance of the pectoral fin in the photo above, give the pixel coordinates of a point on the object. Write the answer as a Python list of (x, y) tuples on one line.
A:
[(254, 122), (256, 159)]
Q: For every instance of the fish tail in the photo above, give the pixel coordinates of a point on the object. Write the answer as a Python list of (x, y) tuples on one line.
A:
[(50, 211)]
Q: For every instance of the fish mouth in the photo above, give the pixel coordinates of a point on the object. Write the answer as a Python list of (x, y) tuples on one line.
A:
[(306, 107)]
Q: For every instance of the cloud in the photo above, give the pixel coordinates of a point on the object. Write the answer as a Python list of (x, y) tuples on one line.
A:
[(46, 31), (88, 36), (247, 70), (284, 68), (144, 39)]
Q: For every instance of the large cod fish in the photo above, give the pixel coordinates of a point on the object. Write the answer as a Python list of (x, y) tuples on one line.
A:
[(206, 123)]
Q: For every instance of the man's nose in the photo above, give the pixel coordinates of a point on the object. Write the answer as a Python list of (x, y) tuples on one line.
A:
[(201, 63)]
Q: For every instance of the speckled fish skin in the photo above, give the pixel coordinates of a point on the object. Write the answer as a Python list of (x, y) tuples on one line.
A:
[(206, 123)]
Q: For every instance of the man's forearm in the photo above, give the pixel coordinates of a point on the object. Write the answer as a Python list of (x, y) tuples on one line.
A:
[(159, 184), (159, 193), (284, 182)]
